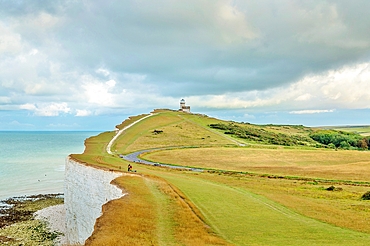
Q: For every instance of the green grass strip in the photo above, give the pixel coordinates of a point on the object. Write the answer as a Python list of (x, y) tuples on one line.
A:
[(244, 218)]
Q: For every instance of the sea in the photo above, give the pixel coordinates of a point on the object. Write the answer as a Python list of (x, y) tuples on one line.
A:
[(33, 163)]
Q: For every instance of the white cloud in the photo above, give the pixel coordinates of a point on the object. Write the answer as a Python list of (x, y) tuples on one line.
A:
[(28, 106), (110, 83), (83, 112), (52, 109), (103, 71), (304, 97), (33, 52), (10, 41), (312, 111), (43, 21), (347, 87), (5, 100), (97, 92), (63, 126), (238, 100)]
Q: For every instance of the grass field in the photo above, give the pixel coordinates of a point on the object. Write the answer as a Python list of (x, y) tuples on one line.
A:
[(154, 213), (363, 130), (251, 195), (177, 131), (315, 163), (246, 218)]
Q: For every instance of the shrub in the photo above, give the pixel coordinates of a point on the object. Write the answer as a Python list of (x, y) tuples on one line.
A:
[(331, 188), (331, 145), (339, 139), (366, 196)]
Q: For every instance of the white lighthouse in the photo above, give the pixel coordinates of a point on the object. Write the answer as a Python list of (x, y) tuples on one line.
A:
[(183, 107)]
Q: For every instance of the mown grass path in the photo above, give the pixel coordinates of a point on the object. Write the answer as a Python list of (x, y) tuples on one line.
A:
[(153, 213), (244, 218)]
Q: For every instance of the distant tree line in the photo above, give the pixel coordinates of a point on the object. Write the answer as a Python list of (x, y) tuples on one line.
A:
[(340, 139), (261, 135), (320, 138)]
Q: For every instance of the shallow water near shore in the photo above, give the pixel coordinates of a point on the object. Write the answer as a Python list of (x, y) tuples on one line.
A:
[(33, 162)]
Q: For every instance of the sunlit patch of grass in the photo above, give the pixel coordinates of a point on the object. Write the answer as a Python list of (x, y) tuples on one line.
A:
[(330, 164)]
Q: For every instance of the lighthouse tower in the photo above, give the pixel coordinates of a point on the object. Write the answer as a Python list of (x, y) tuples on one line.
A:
[(182, 103), (183, 107)]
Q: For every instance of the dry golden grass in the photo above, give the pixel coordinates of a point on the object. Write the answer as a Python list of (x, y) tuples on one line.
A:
[(177, 131), (125, 142), (328, 164), (129, 220), (153, 213)]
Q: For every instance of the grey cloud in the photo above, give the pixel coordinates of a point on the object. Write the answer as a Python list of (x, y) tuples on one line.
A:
[(201, 47)]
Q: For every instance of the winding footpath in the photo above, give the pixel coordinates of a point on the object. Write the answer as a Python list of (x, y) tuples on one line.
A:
[(134, 157), (109, 146)]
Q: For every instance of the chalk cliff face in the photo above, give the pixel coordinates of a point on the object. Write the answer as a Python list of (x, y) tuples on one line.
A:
[(86, 190)]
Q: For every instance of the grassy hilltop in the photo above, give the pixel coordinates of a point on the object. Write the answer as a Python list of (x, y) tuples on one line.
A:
[(261, 185)]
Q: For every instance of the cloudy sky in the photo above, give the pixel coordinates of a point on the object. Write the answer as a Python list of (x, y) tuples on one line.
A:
[(75, 65)]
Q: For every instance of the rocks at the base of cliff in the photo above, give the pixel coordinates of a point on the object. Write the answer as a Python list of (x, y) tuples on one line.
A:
[(22, 208)]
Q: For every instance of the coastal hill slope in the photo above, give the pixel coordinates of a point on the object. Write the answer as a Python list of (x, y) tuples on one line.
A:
[(259, 185)]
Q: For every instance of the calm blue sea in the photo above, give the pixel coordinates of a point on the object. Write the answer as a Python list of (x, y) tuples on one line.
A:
[(33, 162)]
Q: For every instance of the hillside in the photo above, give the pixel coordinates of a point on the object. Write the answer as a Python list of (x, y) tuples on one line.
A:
[(260, 185), (362, 130)]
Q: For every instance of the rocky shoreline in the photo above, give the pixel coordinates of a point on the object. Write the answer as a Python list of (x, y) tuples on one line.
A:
[(22, 224)]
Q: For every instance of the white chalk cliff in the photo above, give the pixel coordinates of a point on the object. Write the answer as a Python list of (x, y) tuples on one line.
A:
[(86, 190)]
